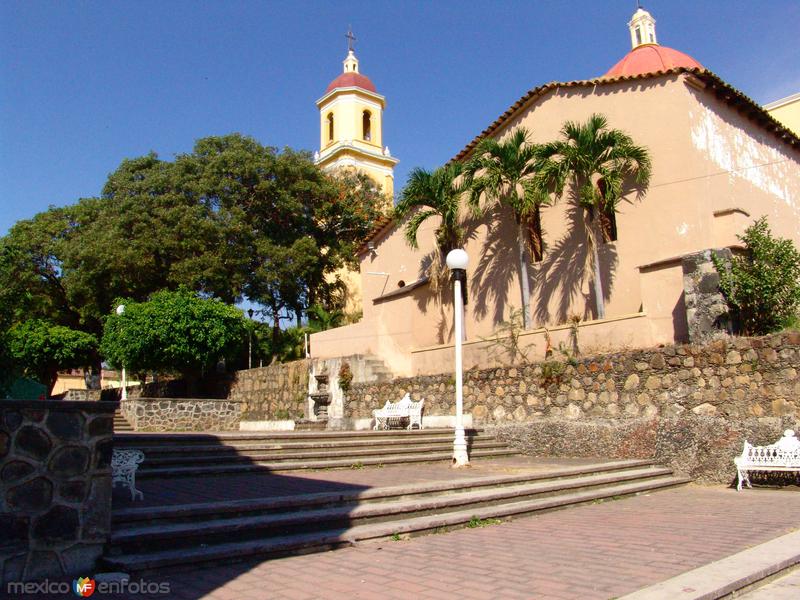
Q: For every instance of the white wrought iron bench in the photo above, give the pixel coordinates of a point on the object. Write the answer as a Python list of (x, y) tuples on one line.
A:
[(124, 463), (783, 455), (395, 413)]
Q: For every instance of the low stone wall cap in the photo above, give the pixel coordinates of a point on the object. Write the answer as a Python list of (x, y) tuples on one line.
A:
[(91, 406)]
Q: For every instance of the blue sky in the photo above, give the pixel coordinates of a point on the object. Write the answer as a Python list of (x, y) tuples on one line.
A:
[(85, 84)]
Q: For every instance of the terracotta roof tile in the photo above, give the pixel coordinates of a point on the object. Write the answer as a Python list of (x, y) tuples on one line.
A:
[(711, 81)]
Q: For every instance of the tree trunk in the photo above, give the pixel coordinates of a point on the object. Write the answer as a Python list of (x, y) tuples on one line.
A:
[(49, 379), (191, 380), (534, 226), (523, 278), (598, 282)]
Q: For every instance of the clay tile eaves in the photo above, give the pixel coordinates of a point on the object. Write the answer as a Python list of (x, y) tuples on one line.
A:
[(711, 82)]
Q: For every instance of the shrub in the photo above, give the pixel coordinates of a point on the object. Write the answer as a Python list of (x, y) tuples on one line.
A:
[(762, 287), (345, 377)]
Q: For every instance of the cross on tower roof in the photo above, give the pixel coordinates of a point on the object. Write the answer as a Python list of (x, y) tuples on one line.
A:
[(350, 38)]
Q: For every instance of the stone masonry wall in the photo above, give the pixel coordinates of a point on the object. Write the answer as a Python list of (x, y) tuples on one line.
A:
[(706, 307), (181, 414), (270, 393), (55, 487), (734, 378), (700, 447), (690, 407)]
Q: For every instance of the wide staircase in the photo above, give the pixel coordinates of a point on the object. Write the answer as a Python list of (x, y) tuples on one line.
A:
[(187, 454), (151, 538), (121, 424)]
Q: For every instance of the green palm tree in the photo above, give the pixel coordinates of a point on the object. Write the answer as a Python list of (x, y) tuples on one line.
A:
[(428, 194), (598, 162), (320, 319), (506, 172)]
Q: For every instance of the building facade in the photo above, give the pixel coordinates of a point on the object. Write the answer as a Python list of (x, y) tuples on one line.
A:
[(719, 163)]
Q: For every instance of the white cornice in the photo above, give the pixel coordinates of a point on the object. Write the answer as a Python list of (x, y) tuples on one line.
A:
[(352, 90), (352, 148)]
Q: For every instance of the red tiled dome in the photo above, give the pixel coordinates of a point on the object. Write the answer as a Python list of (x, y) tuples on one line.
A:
[(651, 58), (346, 80)]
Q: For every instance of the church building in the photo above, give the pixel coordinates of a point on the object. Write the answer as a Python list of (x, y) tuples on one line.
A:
[(351, 126), (351, 137), (719, 163)]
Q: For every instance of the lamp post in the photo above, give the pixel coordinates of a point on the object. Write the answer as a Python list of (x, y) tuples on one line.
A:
[(457, 261), (250, 340), (120, 310)]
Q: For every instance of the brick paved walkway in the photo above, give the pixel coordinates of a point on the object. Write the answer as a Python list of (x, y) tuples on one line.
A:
[(597, 551)]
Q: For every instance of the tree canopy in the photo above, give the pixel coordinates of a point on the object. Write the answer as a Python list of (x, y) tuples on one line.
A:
[(504, 172), (173, 332), (762, 287), (40, 349), (232, 219), (601, 164), (434, 194)]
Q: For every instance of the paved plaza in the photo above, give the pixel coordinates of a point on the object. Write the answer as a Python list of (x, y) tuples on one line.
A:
[(600, 551), (595, 551)]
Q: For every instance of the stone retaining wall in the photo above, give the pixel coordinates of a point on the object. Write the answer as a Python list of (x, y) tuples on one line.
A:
[(272, 393), (55, 487), (181, 414), (700, 447), (689, 407), (735, 378)]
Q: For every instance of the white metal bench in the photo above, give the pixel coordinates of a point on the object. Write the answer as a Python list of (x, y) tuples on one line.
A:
[(783, 455), (395, 413), (124, 463)]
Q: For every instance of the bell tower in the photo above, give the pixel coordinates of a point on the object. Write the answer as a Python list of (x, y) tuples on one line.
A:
[(643, 28), (351, 126)]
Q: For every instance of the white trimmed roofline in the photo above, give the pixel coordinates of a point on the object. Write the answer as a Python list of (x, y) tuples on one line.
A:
[(782, 101), (344, 146), (352, 89)]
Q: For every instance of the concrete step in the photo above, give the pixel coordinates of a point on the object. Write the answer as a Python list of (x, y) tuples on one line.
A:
[(275, 504), (236, 455), (438, 516), (121, 424), (348, 514), (291, 465), (182, 454), (269, 445), (137, 439)]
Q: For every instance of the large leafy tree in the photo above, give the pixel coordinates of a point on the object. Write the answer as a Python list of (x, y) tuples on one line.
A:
[(430, 194), (505, 172), (599, 163), (762, 287), (173, 332), (40, 349), (232, 218)]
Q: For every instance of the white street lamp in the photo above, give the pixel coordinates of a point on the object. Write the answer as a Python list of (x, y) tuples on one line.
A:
[(250, 339), (457, 261), (120, 310)]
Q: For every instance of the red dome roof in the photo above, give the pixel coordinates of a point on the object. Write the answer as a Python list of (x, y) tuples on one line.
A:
[(351, 79), (651, 58)]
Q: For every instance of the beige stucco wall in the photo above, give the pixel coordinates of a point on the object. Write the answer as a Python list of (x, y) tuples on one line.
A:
[(707, 159), (787, 111)]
